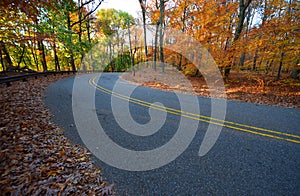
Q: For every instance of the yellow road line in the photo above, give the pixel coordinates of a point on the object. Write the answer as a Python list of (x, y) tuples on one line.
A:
[(202, 118)]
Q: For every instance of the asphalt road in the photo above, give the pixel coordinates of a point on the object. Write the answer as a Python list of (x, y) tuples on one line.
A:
[(240, 163)]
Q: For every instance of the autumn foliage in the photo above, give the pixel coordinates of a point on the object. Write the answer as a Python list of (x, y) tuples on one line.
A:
[(45, 35), (259, 35)]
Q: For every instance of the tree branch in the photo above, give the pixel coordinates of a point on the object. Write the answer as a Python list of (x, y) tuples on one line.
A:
[(89, 13)]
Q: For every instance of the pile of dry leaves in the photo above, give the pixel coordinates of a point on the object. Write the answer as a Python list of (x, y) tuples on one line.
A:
[(244, 86), (35, 157)]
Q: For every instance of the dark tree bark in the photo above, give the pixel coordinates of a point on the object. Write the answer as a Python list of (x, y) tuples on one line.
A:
[(255, 60), (155, 46), (57, 65), (6, 53), (249, 20), (32, 49), (130, 48), (87, 15), (56, 60), (280, 66), (161, 22), (72, 61), (183, 20), (80, 5), (35, 59), (2, 62), (43, 55), (81, 19), (242, 59), (143, 7), (22, 56), (88, 27), (242, 15)]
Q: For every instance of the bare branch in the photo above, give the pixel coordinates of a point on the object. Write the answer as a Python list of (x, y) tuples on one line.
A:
[(89, 13)]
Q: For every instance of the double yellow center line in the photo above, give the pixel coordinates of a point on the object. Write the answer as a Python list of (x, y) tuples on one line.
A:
[(202, 118)]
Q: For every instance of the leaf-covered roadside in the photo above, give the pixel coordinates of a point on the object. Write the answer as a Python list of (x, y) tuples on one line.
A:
[(242, 86), (35, 156)]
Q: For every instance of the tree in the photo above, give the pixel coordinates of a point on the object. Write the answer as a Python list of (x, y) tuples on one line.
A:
[(111, 25), (38, 34), (161, 23), (143, 7), (241, 18)]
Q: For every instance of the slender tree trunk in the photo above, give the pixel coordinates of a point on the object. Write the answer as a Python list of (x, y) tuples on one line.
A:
[(43, 55), (161, 23), (280, 66), (41, 49), (72, 61), (56, 60), (90, 43), (155, 46), (6, 53), (242, 59), (242, 14), (130, 48), (57, 66), (249, 20), (35, 58), (25, 63), (2, 62), (255, 60), (110, 51), (22, 56), (33, 49), (143, 7), (295, 71), (183, 30), (80, 33)]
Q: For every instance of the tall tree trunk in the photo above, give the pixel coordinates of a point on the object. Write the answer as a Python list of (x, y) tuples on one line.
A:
[(6, 53), (43, 55), (80, 33), (33, 50), (56, 60), (255, 60), (57, 66), (295, 71), (143, 7), (280, 65), (130, 48), (41, 49), (88, 27), (155, 46), (2, 62), (35, 58), (161, 23), (72, 61), (22, 56), (110, 51), (249, 20), (242, 59), (242, 14), (183, 20)]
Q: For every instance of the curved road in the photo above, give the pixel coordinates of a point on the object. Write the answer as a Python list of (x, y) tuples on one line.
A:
[(257, 152)]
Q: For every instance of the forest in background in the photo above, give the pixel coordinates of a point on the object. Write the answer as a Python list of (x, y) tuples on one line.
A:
[(257, 35)]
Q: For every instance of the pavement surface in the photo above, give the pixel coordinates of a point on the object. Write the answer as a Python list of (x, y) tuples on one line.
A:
[(263, 161)]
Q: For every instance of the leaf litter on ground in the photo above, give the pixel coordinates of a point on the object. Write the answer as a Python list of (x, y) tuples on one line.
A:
[(35, 156), (243, 86)]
